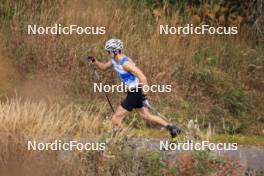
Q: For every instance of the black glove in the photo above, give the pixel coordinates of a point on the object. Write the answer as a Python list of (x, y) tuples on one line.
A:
[(90, 59)]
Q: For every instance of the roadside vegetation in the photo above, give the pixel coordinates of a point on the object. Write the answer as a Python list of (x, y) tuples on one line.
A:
[(23, 120)]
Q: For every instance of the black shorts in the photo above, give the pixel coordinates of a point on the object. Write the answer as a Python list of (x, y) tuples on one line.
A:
[(134, 99)]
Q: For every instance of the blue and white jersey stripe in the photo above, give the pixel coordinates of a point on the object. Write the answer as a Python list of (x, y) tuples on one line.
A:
[(130, 80)]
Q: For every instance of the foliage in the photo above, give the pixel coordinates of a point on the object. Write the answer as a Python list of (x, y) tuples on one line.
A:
[(152, 164), (236, 101)]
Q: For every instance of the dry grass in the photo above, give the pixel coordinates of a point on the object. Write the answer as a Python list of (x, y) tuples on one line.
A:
[(8, 74), (35, 119), (23, 120)]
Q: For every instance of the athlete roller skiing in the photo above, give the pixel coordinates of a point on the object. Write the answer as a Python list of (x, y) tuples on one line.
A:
[(134, 80)]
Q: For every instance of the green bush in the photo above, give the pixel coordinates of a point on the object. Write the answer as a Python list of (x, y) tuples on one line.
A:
[(236, 101), (152, 164)]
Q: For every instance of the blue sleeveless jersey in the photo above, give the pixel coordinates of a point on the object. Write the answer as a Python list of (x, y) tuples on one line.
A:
[(130, 80)]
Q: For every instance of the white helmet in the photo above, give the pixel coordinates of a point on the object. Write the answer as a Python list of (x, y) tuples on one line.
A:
[(114, 45)]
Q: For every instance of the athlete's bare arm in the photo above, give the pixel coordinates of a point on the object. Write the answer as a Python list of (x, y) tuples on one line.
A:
[(103, 66), (137, 72)]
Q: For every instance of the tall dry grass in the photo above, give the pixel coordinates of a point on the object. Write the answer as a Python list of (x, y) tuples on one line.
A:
[(36, 119), (23, 120)]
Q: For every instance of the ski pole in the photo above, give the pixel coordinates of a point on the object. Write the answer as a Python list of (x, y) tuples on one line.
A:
[(157, 112), (161, 115), (105, 94)]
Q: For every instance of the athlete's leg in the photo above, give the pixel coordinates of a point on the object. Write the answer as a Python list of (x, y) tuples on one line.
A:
[(119, 116), (174, 131), (145, 114)]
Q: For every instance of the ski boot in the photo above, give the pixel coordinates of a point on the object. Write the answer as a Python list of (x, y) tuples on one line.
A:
[(174, 132)]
